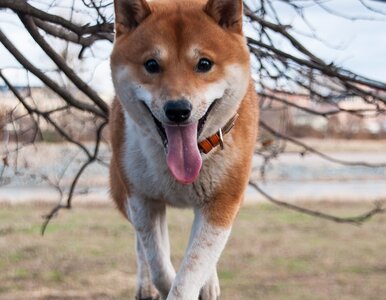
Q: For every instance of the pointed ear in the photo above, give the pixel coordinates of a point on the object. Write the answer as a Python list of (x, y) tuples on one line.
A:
[(129, 14), (227, 13)]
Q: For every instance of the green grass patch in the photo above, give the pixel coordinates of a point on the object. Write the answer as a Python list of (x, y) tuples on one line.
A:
[(54, 276), (294, 264), (21, 274), (226, 275)]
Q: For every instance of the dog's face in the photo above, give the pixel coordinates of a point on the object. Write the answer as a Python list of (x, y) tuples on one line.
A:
[(180, 68)]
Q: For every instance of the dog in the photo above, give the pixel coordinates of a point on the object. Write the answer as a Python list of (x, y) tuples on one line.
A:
[(183, 130)]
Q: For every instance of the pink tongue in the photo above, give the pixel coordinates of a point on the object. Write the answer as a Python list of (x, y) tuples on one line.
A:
[(183, 158)]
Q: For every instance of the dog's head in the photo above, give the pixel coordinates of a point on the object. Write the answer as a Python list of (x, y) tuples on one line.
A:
[(180, 68)]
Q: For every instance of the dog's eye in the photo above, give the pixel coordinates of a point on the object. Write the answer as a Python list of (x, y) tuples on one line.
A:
[(204, 65), (152, 66)]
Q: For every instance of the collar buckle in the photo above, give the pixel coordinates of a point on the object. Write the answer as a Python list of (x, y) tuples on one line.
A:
[(218, 138), (221, 141)]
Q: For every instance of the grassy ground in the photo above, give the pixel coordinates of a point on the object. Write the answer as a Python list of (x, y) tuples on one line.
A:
[(273, 253)]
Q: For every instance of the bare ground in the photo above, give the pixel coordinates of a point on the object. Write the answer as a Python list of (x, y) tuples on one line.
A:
[(273, 253)]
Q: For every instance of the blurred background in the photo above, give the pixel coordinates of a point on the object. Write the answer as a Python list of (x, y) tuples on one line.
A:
[(320, 163)]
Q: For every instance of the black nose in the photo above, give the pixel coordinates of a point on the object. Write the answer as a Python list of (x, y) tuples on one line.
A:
[(178, 111)]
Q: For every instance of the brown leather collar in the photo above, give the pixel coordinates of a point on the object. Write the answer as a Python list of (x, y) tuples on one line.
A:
[(218, 138)]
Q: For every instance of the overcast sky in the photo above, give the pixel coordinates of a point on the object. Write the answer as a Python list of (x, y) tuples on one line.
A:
[(359, 46)]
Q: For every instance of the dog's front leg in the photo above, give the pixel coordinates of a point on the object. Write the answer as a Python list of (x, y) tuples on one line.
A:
[(207, 242), (211, 289), (145, 287), (149, 220)]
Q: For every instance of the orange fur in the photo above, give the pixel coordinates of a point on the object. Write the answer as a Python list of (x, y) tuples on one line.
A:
[(164, 29), (222, 209), (119, 186)]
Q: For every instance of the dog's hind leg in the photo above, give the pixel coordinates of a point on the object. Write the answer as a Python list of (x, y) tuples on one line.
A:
[(145, 287)]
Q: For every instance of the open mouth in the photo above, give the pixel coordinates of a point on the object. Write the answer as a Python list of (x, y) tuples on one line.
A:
[(183, 156), (161, 129)]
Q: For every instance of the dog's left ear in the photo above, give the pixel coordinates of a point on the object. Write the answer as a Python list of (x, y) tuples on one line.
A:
[(129, 14), (227, 13)]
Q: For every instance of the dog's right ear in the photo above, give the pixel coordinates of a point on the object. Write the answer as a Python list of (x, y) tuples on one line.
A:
[(129, 14), (227, 13)]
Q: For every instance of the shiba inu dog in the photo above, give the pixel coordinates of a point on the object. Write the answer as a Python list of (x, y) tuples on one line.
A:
[(183, 131)]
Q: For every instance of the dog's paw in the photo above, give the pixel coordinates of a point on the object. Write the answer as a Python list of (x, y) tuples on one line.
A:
[(211, 289), (148, 292), (154, 297)]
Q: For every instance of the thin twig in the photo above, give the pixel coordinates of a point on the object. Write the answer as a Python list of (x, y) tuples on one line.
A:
[(356, 220), (89, 161), (317, 152)]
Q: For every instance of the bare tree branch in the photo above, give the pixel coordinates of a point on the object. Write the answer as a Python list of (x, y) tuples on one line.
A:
[(62, 65), (48, 81), (22, 6), (280, 75), (356, 220), (323, 155), (89, 161)]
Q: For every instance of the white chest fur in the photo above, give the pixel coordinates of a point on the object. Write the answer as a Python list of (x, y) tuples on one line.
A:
[(145, 166)]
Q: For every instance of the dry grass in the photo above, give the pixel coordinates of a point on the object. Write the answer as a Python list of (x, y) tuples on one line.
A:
[(273, 254)]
